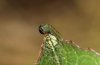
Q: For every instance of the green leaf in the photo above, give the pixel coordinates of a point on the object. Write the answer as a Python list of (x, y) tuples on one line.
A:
[(56, 51)]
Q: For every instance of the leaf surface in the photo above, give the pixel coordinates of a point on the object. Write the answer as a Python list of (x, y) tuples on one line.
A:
[(56, 51)]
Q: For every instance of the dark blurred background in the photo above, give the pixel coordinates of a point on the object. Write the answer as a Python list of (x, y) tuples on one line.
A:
[(77, 20)]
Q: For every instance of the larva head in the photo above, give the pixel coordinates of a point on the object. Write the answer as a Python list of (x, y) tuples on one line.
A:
[(44, 29), (48, 29)]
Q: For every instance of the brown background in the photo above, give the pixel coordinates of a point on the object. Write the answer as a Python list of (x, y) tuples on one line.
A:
[(77, 20)]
